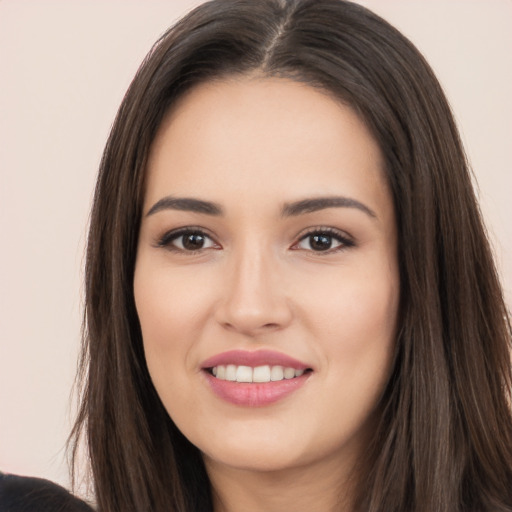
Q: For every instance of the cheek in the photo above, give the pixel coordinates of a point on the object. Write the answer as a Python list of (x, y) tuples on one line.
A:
[(354, 306), (168, 305), (164, 311), (369, 314), (170, 315), (354, 324), (358, 332)]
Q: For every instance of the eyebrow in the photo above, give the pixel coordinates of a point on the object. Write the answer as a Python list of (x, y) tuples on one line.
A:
[(321, 203), (293, 209), (186, 204)]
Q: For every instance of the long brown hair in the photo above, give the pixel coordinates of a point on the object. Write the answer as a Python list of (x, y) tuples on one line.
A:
[(444, 439)]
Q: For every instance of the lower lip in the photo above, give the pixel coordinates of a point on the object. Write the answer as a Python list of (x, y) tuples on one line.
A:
[(255, 394)]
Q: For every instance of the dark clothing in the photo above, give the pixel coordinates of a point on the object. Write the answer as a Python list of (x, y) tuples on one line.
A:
[(28, 494)]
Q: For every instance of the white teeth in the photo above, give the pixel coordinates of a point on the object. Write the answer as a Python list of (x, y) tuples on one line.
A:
[(244, 374), (221, 372), (261, 374), (264, 373), (231, 372), (277, 373), (289, 373)]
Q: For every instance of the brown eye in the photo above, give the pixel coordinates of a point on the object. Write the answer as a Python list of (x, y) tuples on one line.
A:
[(324, 241), (320, 242), (193, 241), (187, 240)]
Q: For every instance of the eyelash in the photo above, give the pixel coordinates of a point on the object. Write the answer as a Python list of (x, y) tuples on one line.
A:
[(168, 238), (345, 242)]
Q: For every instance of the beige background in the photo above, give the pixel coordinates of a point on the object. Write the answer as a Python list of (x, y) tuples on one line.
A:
[(64, 67)]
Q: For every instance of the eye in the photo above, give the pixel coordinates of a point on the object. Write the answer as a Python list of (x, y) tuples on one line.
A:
[(187, 240), (324, 240)]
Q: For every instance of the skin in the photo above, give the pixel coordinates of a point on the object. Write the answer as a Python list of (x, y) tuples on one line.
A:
[(252, 145)]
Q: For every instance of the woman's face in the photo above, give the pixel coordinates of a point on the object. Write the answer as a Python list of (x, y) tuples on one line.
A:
[(266, 280)]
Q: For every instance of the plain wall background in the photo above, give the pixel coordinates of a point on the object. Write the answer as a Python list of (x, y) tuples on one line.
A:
[(64, 68)]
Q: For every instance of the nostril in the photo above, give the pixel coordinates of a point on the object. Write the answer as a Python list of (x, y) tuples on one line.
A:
[(250, 324)]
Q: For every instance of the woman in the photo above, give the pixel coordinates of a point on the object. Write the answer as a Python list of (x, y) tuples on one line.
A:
[(290, 297)]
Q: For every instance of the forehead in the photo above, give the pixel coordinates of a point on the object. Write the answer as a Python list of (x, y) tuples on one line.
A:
[(247, 136)]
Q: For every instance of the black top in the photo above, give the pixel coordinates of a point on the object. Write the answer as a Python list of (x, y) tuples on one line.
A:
[(28, 494)]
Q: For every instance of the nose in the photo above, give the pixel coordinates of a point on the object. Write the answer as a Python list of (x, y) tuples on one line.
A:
[(254, 300)]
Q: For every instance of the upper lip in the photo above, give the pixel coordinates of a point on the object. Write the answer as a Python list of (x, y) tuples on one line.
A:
[(254, 358)]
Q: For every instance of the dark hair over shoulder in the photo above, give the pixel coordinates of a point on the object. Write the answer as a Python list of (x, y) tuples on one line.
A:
[(444, 442)]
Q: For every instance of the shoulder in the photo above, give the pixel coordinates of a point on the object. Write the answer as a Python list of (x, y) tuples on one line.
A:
[(29, 494)]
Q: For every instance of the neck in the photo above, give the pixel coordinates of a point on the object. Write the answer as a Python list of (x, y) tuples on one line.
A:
[(323, 488)]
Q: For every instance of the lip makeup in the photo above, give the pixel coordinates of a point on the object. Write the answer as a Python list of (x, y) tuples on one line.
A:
[(256, 378)]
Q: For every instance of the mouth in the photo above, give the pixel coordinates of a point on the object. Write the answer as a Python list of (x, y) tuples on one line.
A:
[(258, 374), (254, 378)]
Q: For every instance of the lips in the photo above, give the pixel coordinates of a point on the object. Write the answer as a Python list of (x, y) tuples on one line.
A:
[(254, 359), (254, 378)]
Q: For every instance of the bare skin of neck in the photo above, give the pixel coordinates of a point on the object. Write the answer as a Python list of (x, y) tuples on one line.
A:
[(315, 487)]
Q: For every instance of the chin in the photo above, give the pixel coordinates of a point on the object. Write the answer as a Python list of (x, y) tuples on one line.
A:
[(253, 459), (260, 448)]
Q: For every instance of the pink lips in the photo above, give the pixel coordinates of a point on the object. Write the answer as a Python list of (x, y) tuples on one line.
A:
[(254, 394), (254, 358)]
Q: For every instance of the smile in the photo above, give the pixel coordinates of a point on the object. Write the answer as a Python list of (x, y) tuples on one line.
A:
[(254, 378), (265, 373)]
